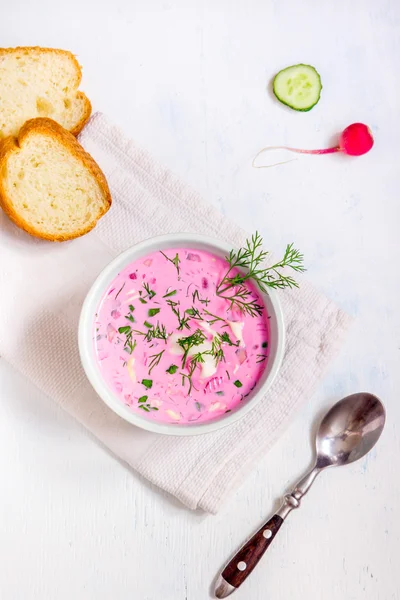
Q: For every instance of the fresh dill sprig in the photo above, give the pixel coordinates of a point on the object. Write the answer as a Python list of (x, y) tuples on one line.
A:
[(214, 319), (130, 343), (154, 332), (149, 293), (227, 340), (186, 343), (175, 261), (155, 360), (189, 375), (251, 258), (195, 361), (182, 319), (216, 349), (196, 296), (194, 313)]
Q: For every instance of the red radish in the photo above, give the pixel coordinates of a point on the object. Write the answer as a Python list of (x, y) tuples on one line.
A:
[(355, 140)]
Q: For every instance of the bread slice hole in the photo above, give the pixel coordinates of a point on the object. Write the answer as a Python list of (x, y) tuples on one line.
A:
[(43, 106)]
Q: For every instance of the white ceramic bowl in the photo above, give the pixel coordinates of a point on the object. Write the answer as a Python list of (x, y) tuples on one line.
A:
[(87, 351)]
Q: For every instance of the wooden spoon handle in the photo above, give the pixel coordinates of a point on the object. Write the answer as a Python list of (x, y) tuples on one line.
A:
[(242, 564)]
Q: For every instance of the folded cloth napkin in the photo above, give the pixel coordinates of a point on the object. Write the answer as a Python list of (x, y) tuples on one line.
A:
[(42, 289)]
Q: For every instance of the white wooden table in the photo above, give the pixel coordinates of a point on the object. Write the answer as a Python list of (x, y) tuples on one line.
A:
[(189, 81)]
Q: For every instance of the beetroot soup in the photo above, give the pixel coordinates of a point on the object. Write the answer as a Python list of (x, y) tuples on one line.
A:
[(172, 346)]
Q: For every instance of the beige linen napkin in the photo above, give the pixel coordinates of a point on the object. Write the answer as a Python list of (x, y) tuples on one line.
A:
[(42, 288)]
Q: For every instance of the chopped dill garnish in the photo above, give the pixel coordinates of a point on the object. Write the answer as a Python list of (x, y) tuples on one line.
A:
[(130, 316), (155, 360), (119, 291), (194, 313), (149, 293), (196, 296), (227, 340), (155, 331), (189, 342), (175, 261), (214, 319), (168, 294), (129, 344), (182, 319)]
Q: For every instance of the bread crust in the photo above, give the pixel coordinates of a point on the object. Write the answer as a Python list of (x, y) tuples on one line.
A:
[(52, 129), (38, 50)]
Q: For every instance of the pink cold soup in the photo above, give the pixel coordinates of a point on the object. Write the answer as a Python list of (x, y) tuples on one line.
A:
[(172, 349)]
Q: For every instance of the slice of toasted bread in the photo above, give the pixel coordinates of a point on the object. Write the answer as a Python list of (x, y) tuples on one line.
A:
[(40, 82), (49, 185)]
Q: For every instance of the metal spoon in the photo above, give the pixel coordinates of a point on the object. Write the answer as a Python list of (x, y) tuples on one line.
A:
[(347, 432)]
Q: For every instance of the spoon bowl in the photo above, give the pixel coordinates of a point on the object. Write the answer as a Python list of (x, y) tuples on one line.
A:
[(349, 430)]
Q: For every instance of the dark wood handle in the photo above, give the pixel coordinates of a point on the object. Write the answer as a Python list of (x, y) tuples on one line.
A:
[(242, 564)]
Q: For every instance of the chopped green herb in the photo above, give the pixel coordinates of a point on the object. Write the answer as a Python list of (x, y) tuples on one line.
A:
[(220, 393), (153, 407), (238, 383), (198, 405), (158, 332), (153, 311), (192, 368), (168, 294), (214, 319), (264, 345), (229, 410), (172, 369), (183, 321), (130, 344), (125, 329), (196, 296), (130, 316), (216, 349), (143, 398), (175, 261), (142, 300), (227, 374), (120, 290), (261, 358), (227, 340), (147, 324), (150, 293), (188, 342), (194, 313), (155, 360), (143, 407), (147, 383), (198, 358)]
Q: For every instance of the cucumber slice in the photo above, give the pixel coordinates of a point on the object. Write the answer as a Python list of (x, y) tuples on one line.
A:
[(298, 86)]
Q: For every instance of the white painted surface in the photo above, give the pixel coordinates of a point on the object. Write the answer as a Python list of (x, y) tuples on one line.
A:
[(188, 81)]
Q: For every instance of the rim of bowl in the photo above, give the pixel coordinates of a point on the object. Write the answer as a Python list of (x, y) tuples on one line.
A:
[(86, 348)]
